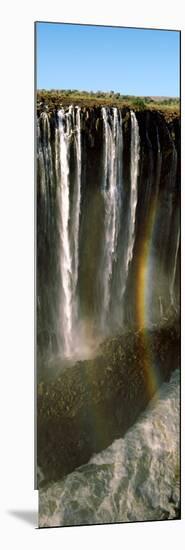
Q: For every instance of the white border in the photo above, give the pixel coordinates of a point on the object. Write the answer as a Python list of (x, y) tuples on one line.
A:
[(17, 270)]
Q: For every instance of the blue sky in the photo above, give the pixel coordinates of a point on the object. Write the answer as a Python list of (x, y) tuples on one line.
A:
[(129, 61)]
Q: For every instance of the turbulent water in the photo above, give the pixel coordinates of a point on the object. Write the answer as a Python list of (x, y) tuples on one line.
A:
[(135, 479)]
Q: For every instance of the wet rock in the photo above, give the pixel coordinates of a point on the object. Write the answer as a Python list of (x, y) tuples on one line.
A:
[(93, 402)]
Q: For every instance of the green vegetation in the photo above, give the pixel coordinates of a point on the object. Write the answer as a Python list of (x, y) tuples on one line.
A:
[(54, 98), (139, 103)]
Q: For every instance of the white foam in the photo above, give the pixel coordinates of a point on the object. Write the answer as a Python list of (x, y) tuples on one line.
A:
[(134, 479)]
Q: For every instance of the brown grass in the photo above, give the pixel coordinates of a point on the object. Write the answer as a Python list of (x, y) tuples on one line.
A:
[(169, 107)]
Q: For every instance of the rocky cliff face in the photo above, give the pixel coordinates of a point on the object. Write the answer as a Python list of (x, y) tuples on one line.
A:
[(153, 266)]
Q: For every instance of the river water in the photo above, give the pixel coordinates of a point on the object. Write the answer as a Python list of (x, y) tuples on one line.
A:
[(137, 478)]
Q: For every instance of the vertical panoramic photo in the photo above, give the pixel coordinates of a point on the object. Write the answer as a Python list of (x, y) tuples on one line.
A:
[(108, 146)]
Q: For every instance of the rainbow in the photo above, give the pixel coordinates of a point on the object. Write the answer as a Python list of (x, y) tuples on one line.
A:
[(142, 293)]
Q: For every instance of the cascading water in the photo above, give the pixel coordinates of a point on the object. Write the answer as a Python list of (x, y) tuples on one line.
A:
[(134, 168), (111, 190), (65, 315), (45, 166), (69, 247), (133, 191), (152, 293), (76, 210), (84, 154)]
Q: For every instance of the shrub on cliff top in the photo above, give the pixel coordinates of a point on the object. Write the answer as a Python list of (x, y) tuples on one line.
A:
[(138, 102)]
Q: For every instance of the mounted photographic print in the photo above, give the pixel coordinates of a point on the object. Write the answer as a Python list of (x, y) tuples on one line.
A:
[(108, 274)]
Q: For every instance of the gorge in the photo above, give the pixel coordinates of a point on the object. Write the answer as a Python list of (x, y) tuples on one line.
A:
[(108, 245), (108, 305)]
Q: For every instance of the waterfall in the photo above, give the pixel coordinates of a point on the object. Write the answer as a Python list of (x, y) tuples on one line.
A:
[(153, 291), (168, 202), (134, 168), (45, 164), (133, 191), (69, 253), (113, 145), (108, 244), (76, 209), (40, 160), (88, 240), (65, 316)]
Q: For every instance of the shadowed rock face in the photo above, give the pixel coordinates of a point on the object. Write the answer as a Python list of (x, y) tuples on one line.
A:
[(93, 402)]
